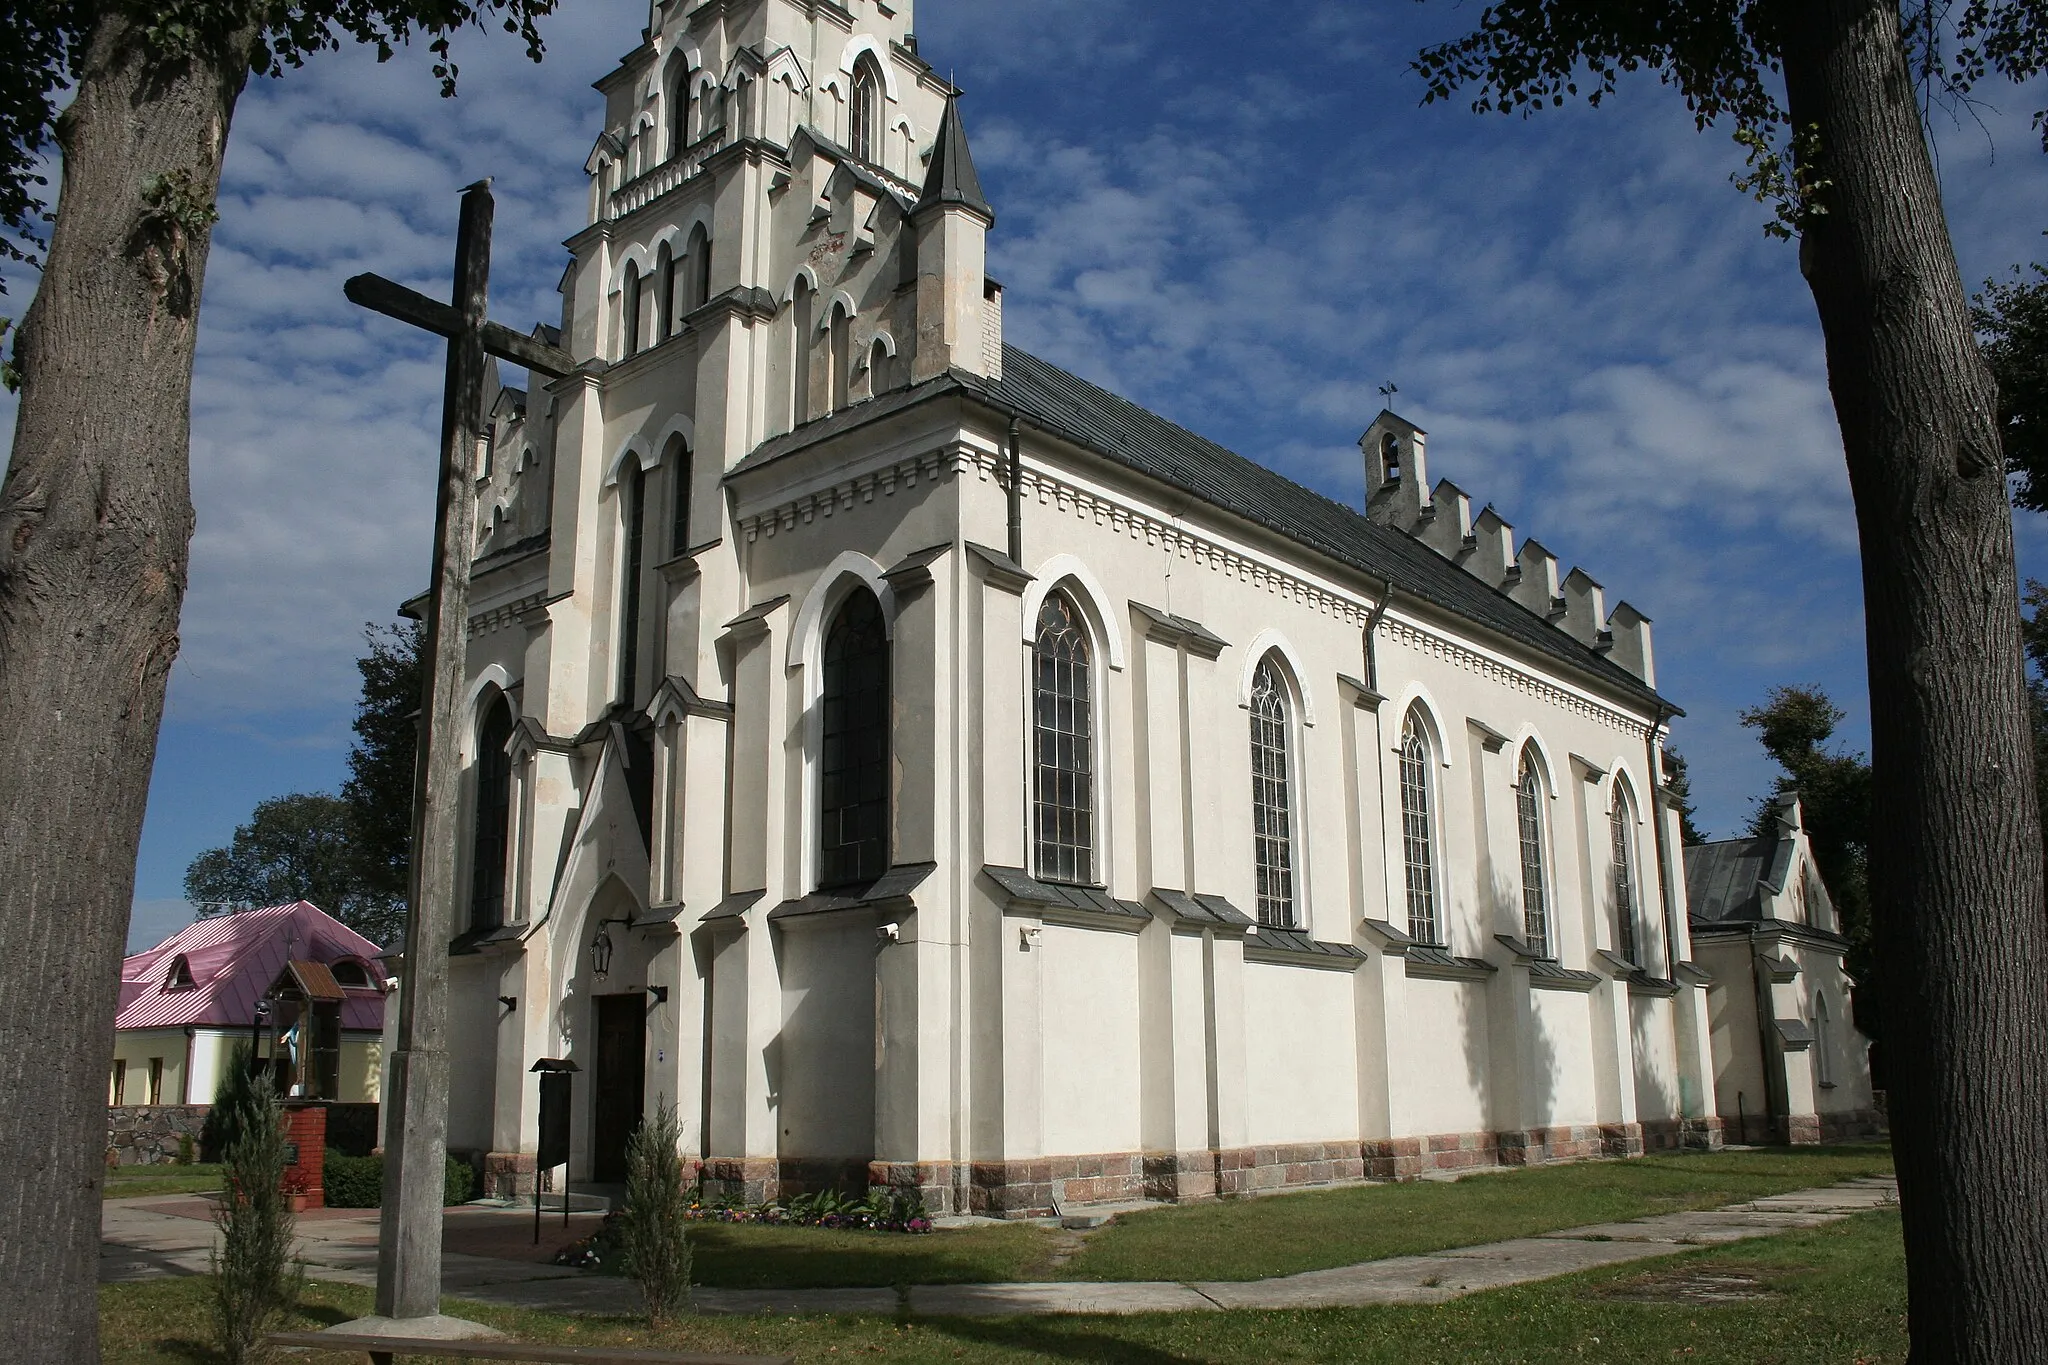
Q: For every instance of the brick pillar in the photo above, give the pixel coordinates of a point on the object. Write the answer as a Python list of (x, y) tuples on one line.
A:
[(305, 1127)]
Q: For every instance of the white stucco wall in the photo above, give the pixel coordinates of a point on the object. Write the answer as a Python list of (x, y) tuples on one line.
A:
[(1562, 1058), (1441, 1066), (1656, 1058), (1091, 1040), (827, 1047), (1301, 1072)]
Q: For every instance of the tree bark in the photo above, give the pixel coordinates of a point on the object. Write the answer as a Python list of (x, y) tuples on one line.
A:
[(95, 528), (1955, 852)]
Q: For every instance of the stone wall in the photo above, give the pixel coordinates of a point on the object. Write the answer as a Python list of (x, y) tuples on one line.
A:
[(147, 1134)]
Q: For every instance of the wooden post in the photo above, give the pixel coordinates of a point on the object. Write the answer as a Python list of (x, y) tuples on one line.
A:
[(409, 1233), (416, 1144)]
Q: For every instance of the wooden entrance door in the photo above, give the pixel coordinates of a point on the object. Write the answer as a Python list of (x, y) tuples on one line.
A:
[(618, 1088)]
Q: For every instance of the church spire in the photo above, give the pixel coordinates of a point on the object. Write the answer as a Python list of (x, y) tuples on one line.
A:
[(951, 179)]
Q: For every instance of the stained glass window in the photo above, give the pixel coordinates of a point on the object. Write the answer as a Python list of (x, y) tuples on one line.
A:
[(1063, 733)]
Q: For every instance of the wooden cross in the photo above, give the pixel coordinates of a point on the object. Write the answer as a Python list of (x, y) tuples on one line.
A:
[(416, 1130)]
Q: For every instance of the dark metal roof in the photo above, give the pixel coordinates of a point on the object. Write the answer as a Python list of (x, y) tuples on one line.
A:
[(1072, 409), (1270, 940), (951, 179), (893, 885), (1025, 889), (1721, 879), (1201, 908)]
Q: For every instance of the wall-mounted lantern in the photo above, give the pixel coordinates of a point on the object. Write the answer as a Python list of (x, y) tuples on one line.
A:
[(601, 952)]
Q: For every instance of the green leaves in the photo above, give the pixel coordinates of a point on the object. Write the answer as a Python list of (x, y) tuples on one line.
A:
[(1788, 180), (2012, 331)]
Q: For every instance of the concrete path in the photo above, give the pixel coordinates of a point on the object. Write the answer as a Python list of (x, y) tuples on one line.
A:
[(141, 1242)]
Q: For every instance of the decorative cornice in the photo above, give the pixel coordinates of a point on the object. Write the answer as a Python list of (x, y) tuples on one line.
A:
[(905, 473)]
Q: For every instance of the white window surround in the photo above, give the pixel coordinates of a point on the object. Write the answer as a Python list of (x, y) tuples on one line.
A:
[(1271, 641), (805, 656), (1088, 595), (1297, 721)]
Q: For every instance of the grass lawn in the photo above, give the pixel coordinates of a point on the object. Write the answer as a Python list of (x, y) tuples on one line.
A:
[(1248, 1239), (1832, 1294), (1251, 1239), (131, 1182)]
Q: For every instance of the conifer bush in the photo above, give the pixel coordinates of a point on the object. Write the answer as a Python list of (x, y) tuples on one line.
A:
[(255, 1281), (655, 1237), (234, 1097)]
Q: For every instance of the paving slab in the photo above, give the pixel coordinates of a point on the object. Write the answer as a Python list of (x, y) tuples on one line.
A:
[(1003, 1300)]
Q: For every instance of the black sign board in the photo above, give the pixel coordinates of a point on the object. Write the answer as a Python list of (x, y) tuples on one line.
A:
[(554, 1120)]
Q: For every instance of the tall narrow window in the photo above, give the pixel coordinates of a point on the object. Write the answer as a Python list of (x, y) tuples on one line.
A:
[(664, 296), (853, 763), (633, 509), (700, 264), (841, 357), (629, 312), (1418, 853), (800, 360), (1823, 1041), (865, 136), (681, 470), (1624, 859), (1272, 825), (1063, 745), (880, 368), (156, 1081), (120, 1081), (679, 116), (493, 818), (1535, 899)]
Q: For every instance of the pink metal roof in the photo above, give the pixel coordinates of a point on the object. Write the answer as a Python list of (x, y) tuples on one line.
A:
[(233, 960)]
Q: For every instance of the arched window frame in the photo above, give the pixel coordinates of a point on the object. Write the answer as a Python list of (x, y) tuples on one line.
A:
[(1079, 858), (850, 716), (682, 465), (1420, 833), (1823, 1041), (865, 109), (839, 354), (491, 814), (1532, 829), (803, 301), (631, 492), (629, 311), (1274, 713), (699, 290), (678, 111), (665, 294), (1625, 874)]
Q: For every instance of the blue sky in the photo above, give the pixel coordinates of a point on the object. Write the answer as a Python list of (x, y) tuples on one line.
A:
[(1239, 216)]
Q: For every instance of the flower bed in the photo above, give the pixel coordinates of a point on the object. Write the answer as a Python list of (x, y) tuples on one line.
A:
[(880, 1211)]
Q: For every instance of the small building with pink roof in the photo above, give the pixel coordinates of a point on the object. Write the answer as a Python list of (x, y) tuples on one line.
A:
[(187, 1002)]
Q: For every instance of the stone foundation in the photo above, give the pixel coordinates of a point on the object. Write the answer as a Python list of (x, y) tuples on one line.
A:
[(1034, 1187), (148, 1134), (1851, 1125), (508, 1175)]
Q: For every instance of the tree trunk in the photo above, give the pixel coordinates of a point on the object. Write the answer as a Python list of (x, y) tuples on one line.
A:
[(95, 526), (1955, 851)]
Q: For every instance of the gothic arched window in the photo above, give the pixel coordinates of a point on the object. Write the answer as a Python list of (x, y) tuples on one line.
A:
[(664, 295), (681, 470), (493, 817), (1620, 817), (1063, 745), (1823, 1041), (629, 312), (801, 303), (865, 134), (1272, 814), (841, 355), (1535, 881), (633, 526), (1418, 844), (700, 267), (679, 116), (853, 760), (881, 367)]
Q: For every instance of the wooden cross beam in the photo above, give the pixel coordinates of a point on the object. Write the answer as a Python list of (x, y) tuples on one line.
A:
[(380, 295), (416, 1127)]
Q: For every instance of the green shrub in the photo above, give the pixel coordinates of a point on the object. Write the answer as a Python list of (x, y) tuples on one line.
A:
[(458, 1183), (187, 1149), (353, 1182), (254, 1279), (234, 1097), (357, 1182), (656, 1240)]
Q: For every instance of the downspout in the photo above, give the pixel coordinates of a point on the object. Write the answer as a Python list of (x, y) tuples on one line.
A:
[(1015, 545), (1663, 716), (1379, 732), (185, 1077)]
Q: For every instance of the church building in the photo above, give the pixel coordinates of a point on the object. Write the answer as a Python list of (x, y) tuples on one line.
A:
[(925, 769)]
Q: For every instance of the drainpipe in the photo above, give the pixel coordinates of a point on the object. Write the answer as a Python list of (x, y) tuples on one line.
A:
[(1656, 774), (1015, 546), (1372, 667)]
